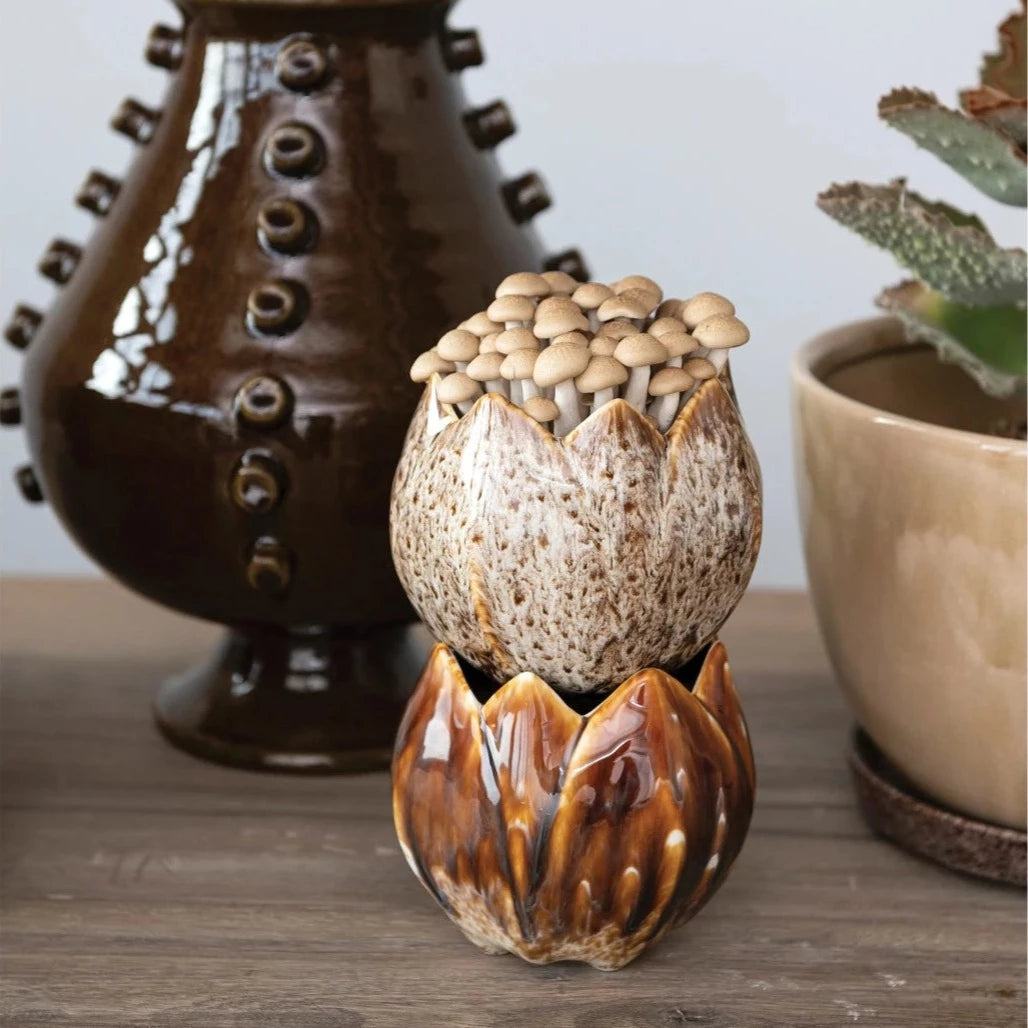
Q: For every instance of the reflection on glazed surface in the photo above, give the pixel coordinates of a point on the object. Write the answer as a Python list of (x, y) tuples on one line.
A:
[(562, 836), (135, 382)]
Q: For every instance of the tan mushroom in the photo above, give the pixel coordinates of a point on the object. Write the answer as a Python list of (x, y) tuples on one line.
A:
[(485, 368), (518, 368), (557, 367), (556, 322), (511, 310), (639, 283), (578, 338), (627, 306), (428, 364), (554, 304), (482, 325), (678, 344), (662, 326), (541, 408), (589, 295), (704, 305), (523, 283), (639, 353), (618, 328), (459, 390), (458, 345), (601, 377), (670, 309), (721, 332), (700, 368), (488, 343), (516, 339), (603, 346), (560, 282), (667, 386)]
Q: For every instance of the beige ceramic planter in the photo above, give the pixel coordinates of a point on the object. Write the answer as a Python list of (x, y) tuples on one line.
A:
[(915, 546)]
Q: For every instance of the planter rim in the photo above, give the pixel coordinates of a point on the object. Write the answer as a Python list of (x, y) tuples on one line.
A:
[(867, 337)]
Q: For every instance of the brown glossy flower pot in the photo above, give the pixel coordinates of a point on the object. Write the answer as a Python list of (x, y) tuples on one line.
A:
[(217, 401), (914, 528), (557, 834)]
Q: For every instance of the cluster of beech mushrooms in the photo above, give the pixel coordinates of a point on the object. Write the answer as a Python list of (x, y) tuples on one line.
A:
[(561, 349)]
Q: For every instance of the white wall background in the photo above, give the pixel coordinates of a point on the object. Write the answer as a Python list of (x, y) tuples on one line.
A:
[(681, 140)]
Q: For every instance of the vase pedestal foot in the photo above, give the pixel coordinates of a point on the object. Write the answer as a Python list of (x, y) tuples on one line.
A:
[(312, 701)]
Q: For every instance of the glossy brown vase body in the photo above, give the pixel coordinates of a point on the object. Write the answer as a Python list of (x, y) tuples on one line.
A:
[(216, 404)]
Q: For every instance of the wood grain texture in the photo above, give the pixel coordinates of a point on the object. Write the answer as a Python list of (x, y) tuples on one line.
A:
[(144, 888)]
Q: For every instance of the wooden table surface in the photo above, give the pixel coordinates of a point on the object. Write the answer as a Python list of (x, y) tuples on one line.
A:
[(143, 887)]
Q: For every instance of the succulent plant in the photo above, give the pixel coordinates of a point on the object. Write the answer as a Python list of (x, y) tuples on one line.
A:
[(968, 297), (557, 835)]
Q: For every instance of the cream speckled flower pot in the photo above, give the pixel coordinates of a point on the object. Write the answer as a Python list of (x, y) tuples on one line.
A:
[(915, 546)]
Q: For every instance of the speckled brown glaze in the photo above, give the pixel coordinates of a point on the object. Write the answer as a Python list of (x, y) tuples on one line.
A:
[(582, 559), (560, 836)]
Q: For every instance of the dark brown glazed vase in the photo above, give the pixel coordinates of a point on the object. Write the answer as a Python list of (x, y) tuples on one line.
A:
[(216, 404), (558, 835)]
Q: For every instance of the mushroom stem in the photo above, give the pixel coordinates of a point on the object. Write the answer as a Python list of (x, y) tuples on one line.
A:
[(664, 409), (517, 393), (719, 358), (602, 397), (566, 398), (497, 385), (528, 389), (637, 386)]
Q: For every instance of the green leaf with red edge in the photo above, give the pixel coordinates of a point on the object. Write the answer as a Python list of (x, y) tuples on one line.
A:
[(950, 251), (976, 148)]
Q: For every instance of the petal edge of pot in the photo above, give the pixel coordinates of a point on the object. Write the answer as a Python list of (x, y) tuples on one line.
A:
[(915, 544)]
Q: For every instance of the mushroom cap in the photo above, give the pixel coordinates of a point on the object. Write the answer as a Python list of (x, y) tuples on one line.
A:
[(644, 296), (541, 408), (554, 304), (589, 295), (721, 332), (578, 338), (555, 323), (560, 282), (560, 362), (647, 285), (626, 306), (603, 345), (511, 308), (457, 388), (678, 344), (617, 329), (482, 325), (428, 364), (516, 339), (523, 283), (458, 345), (663, 326), (703, 305), (488, 343), (519, 364), (670, 309), (700, 367), (670, 380), (601, 373), (640, 350), (485, 367)]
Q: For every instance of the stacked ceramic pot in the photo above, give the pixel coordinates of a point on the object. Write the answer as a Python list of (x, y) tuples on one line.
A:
[(575, 515)]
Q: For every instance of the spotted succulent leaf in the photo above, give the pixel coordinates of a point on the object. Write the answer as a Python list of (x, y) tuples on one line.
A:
[(951, 252), (987, 342), (978, 149)]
